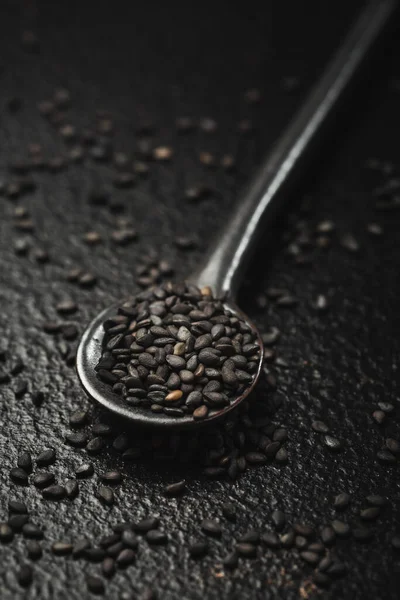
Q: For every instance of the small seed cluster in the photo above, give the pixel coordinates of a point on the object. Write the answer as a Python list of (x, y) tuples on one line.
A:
[(177, 350)]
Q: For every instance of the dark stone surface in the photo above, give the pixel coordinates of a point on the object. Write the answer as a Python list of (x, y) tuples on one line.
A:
[(158, 64)]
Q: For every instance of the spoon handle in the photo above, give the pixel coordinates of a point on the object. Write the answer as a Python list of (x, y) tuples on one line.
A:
[(226, 261)]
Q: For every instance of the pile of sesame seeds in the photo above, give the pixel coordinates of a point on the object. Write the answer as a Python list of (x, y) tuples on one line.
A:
[(177, 350)]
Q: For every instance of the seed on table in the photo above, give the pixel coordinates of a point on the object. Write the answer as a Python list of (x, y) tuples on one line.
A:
[(371, 513), (6, 533), (386, 407), (310, 557), (16, 506), (54, 492), (21, 388), (211, 527), (95, 445), (80, 547), (376, 500), (374, 229), (341, 501), (25, 462), (340, 528), (246, 550), (328, 535), (162, 153), (256, 458), (108, 567), (78, 440), (282, 455), (16, 522), (231, 560), (320, 427), (111, 477), (175, 489), (146, 525), (71, 488), (121, 443), (84, 470), (128, 538), (101, 429), (25, 576), (109, 540), (66, 307), (34, 550), (154, 537), (92, 237), (95, 585), (125, 557), (46, 458), (385, 457), (287, 539), (198, 548), (78, 418), (303, 529), (332, 443), (379, 416), (279, 519), (19, 476), (392, 445), (95, 555), (229, 511), (30, 530), (208, 125), (270, 539), (61, 548), (106, 495)]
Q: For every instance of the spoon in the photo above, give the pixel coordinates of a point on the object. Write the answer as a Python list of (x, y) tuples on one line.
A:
[(226, 261)]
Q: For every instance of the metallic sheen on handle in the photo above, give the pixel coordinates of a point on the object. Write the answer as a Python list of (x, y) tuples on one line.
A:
[(228, 258)]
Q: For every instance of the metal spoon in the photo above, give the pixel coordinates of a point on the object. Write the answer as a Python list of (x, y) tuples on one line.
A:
[(225, 264)]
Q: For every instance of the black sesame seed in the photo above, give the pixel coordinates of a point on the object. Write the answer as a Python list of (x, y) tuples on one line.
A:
[(278, 519), (95, 585), (84, 470), (61, 548), (175, 489), (25, 576), (231, 560), (341, 501), (146, 525), (25, 462), (211, 527), (125, 557), (111, 477), (370, 514), (6, 533), (71, 488), (54, 492), (33, 550), (78, 440), (156, 537), (16, 506), (106, 495), (30, 530), (19, 476), (340, 528), (16, 522), (46, 458), (270, 539)]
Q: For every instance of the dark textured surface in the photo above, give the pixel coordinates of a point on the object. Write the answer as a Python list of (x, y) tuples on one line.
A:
[(159, 65)]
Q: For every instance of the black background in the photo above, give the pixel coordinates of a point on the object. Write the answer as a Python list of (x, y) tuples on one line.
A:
[(153, 62)]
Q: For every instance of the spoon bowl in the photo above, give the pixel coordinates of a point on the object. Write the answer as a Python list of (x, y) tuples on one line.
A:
[(90, 351)]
